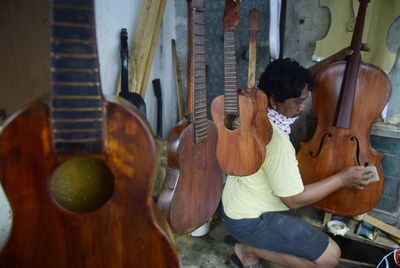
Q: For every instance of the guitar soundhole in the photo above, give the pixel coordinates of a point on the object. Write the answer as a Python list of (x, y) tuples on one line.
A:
[(82, 184), (232, 121)]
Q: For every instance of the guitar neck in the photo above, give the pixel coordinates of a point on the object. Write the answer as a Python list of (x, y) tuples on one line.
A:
[(197, 79), (230, 79), (76, 104), (124, 61), (254, 17)]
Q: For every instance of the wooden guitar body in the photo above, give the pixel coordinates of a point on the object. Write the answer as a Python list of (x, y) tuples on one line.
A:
[(192, 187), (332, 149), (262, 123), (193, 178), (239, 150), (127, 231)]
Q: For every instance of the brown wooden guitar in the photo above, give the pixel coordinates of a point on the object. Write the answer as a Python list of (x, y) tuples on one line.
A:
[(193, 184), (77, 168), (240, 150), (260, 99), (349, 98)]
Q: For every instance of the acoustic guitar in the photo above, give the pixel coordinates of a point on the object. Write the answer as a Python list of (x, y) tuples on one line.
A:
[(193, 184), (240, 150), (79, 185)]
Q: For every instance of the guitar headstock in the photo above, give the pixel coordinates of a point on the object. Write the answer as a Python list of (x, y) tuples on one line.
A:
[(232, 14), (254, 20), (124, 40)]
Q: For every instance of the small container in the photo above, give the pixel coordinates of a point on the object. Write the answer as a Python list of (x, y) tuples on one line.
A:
[(337, 227), (202, 230)]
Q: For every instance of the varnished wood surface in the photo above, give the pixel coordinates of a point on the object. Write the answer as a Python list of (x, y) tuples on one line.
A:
[(125, 232), (340, 150), (193, 184), (239, 151), (262, 123)]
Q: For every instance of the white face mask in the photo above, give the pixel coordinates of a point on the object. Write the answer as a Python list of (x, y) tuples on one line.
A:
[(280, 120)]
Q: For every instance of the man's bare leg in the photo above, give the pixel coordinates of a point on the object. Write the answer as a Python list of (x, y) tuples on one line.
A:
[(249, 256)]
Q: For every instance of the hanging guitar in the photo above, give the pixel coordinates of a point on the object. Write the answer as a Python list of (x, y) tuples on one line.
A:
[(260, 99), (132, 97), (79, 186), (240, 150), (193, 184), (349, 98)]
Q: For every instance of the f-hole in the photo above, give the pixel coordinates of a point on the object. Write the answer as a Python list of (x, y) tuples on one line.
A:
[(314, 155), (357, 156)]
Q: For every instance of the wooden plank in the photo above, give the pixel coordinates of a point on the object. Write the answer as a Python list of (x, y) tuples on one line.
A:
[(315, 218), (144, 43), (327, 217), (382, 225)]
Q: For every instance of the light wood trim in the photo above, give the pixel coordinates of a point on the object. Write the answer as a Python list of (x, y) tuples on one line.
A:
[(144, 43), (382, 225)]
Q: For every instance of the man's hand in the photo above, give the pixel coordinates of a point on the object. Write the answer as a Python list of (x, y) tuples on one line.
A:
[(356, 177)]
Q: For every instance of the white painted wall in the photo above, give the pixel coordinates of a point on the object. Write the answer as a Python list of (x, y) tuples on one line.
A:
[(111, 16)]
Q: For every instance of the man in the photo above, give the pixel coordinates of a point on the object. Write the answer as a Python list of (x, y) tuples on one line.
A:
[(256, 207)]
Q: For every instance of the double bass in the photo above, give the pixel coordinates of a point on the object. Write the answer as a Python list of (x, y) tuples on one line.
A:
[(79, 186), (192, 187), (349, 97)]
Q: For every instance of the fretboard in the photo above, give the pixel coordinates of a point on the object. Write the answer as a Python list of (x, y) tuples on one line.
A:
[(198, 66), (76, 105), (230, 80), (348, 89)]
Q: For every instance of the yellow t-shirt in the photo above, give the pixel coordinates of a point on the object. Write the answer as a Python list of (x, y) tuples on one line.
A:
[(279, 176)]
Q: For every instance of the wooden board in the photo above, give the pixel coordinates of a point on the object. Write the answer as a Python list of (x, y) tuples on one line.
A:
[(315, 217), (144, 43)]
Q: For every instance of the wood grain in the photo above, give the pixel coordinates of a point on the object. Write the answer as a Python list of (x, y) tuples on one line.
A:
[(340, 150), (122, 233)]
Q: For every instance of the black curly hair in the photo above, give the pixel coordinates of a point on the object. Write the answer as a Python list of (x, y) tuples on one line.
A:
[(284, 79)]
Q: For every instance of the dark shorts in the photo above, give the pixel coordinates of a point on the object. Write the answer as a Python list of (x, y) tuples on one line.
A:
[(279, 232)]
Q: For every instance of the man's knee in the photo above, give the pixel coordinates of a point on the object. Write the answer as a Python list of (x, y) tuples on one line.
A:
[(331, 256)]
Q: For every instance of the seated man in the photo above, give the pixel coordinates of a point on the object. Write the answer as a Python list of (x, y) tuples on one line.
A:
[(256, 208)]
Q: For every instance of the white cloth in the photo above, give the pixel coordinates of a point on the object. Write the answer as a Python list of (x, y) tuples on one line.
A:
[(280, 120)]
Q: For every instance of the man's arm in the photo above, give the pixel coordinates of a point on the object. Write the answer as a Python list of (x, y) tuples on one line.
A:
[(354, 177)]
